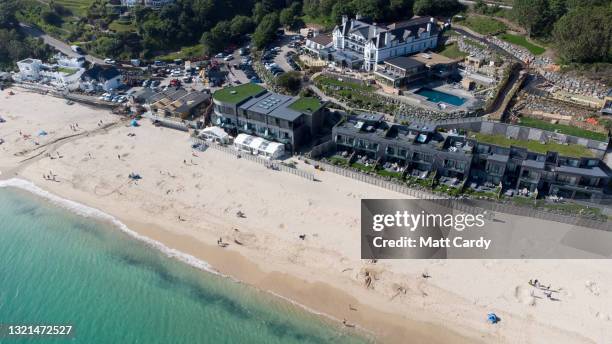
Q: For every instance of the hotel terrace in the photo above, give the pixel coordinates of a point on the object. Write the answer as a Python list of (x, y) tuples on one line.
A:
[(403, 70), (475, 158), (251, 109)]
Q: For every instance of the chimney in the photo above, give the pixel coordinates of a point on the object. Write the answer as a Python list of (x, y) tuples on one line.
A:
[(431, 22), (358, 16), (344, 19)]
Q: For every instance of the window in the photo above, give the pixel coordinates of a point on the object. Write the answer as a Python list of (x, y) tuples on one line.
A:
[(566, 179), (593, 182), (495, 169), (422, 157)]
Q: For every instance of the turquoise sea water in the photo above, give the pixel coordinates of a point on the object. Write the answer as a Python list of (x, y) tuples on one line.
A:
[(57, 267)]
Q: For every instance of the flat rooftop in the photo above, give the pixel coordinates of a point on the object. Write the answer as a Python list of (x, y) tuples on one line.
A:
[(431, 59), (238, 94), (568, 150), (281, 106), (306, 105), (404, 62)]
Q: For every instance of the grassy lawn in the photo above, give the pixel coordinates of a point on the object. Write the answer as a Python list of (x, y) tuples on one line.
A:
[(306, 105), (78, 7), (522, 41), (122, 27), (236, 94), (68, 71), (324, 21), (338, 161), (356, 95), (452, 51), (185, 53), (361, 167), (385, 173), (563, 129), (535, 146), (413, 181), (327, 81), (484, 25), (564, 208)]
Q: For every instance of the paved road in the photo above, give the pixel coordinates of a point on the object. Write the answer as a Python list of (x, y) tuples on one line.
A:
[(64, 48), (469, 2)]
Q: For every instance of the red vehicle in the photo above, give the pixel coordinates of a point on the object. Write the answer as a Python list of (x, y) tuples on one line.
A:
[(175, 83)]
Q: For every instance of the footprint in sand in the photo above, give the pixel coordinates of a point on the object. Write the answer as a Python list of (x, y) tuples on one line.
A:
[(592, 287), (524, 296)]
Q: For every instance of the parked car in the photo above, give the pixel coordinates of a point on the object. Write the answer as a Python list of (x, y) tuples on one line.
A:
[(220, 55), (228, 58), (77, 49)]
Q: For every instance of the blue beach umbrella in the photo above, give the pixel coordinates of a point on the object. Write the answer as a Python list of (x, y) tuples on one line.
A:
[(492, 318)]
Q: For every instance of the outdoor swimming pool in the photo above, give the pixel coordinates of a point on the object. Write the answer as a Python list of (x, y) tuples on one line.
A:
[(440, 97)]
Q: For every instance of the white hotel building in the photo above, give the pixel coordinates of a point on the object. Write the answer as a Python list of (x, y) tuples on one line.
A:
[(358, 44)]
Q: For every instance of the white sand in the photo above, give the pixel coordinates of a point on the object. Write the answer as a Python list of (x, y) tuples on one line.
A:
[(324, 271)]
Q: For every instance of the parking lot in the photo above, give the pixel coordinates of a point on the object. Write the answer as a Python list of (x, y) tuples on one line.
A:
[(235, 66)]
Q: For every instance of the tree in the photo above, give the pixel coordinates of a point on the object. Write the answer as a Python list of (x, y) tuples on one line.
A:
[(584, 35), (437, 7), (341, 8), (290, 81), (557, 9), (371, 9), (14, 47), (533, 15), (286, 18), (241, 25), (51, 17), (289, 16), (8, 8), (266, 30), (400, 9), (258, 12), (480, 6), (217, 38)]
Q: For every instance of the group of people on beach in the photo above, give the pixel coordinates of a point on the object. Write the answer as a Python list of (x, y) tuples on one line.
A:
[(545, 289), (50, 176)]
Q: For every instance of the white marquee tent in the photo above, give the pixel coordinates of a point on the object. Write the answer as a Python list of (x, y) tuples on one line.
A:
[(259, 146), (215, 134)]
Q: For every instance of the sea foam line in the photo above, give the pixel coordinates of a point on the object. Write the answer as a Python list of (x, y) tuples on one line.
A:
[(90, 212)]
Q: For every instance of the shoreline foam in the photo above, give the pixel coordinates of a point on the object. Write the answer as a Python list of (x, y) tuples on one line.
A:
[(324, 271), (90, 212)]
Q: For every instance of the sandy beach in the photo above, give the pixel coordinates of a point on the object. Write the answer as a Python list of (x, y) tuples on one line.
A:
[(188, 200)]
